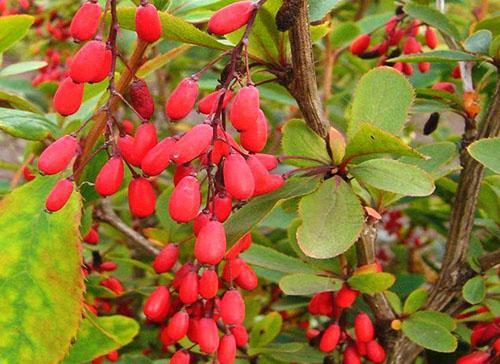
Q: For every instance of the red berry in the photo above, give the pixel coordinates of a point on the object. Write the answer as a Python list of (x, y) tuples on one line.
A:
[(192, 144), (476, 357), (375, 352), (361, 347), (312, 333), (238, 178), (245, 109), (210, 244), (182, 171), (232, 308), (180, 274), (209, 284), (360, 44), (113, 285), (128, 126), (145, 139), (181, 101), (264, 182), (59, 195), (201, 220), (157, 304), (209, 103), (351, 356), (227, 349), (147, 23), (231, 17), (431, 38), (232, 269), (247, 279), (188, 290), (424, 67), (28, 174), (345, 297), (208, 335), (411, 45), (240, 334), (180, 357), (363, 327), (166, 258), (268, 160), (321, 304), (85, 21), (141, 197), (108, 266), (56, 157), (240, 246), (141, 99), (254, 139), (456, 73), (178, 326), (87, 62), (105, 68), (157, 158), (407, 69), (222, 204), (113, 356), (110, 177), (68, 97), (92, 236), (126, 148), (444, 86), (330, 338), (185, 200)]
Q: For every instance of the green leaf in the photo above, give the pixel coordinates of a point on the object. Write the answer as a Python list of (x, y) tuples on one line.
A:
[(22, 67), (12, 29), (394, 301), (161, 60), (433, 18), (271, 259), (17, 101), (332, 219), (26, 125), (303, 284), (246, 218), (276, 348), (440, 157), (429, 335), (372, 22), (383, 98), (299, 140), (439, 318), (394, 176), (371, 140), (265, 330), (370, 283), (492, 24), (98, 336), (41, 283), (479, 42), (474, 290), (319, 8), (442, 56), (415, 301), (486, 152), (342, 34)]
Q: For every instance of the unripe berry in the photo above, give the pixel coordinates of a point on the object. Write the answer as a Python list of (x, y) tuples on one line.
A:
[(240, 334), (141, 99), (360, 44), (208, 337), (110, 177), (59, 195), (245, 109), (87, 62), (166, 258), (209, 103), (431, 38), (157, 304), (363, 328), (227, 349), (147, 23), (238, 178), (103, 70), (268, 160), (201, 220), (188, 290), (321, 304), (222, 204), (254, 139), (180, 357), (240, 246), (232, 308), (178, 326), (181, 101), (68, 97), (126, 148), (185, 200), (375, 352), (56, 157), (85, 21), (145, 139), (330, 338), (157, 158), (351, 356), (345, 297), (210, 244), (209, 284), (247, 279), (231, 17), (192, 144), (141, 197)]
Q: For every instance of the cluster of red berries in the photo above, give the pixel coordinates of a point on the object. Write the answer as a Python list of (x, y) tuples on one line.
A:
[(23, 6), (55, 70), (484, 335)]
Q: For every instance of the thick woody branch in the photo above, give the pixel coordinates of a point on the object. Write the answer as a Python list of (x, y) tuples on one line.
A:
[(489, 260)]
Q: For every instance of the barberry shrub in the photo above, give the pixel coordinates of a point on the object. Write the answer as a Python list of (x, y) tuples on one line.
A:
[(258, 181)]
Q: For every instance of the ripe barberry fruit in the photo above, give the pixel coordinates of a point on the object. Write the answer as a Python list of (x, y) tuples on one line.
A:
[(264, 182), (444, 86), (227, 349), (360, 44), (87, 62), (92, 236), (209, 284), (59, 195), (351, 356), (180, 357), (166, 258), (141, 197), (424, 66), (182, 100), (126, 148), (68, 97), (363, 328), (188, 290), (375, 352), (247, 279), (210, 244), (201, 220), (268, 160), (321, 304), (232, 308), (208, 335), (182, 171), (157, 304), (110, 177), (108, 266), (240, 246), (192, 144), (178, 326), (240, 334), (411, 45), (157, 158), (185, 200), (231, 17), (56, 157), (209, 103), (85, 21), (330, 338), (254, 139), (232, 269), (245, 108), (238, 177), (145, 139), (28, 175), (147, 23), (345, 297), (113, 285), (141, 99), (431, 38), (456, 73), (105, 68), (128, 126), (113, 356), (222, 204)]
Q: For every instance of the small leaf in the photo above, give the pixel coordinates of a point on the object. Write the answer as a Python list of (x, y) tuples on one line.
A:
[(439, 160), (415, 301), (26, 125), (442, 56), (332, 219), (394, 301), (12, 29), (394, 176), (439, 318), (433, 18), (474, 290), (265, 330), (22, 67), (299, 140), (174, 230), (303, 284), (18, 101), (370, 283), (342, 34), (486, 152), (319, 8), (429, 335), (479, 42)]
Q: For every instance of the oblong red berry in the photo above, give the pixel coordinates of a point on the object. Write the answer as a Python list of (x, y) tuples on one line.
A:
[(330, 338), (166, 258), (157, 158), (110, 177), (232, 269), (259, 173), (444, 86), (209, 284), (68, 97), (180, 274), (240, 334), (247, 279), (181, 171), (363, 328), (210, 243), (144, 140), (201, 220), (245, 108), (178, 326), (85, 21), (180, 357), (105, 67), (192, 144), (232, 308), (208, 335), (141, 99), (351, 356), (114, 285), (126, 148), (92, 236), (188, 290), (254, 139), (59, 195), (108, 266), (141, 197), (185, 200), (476, 357), (411, 45), (56, 157), (360, 44), (86, 63), (424, 66), (209, 103), (231, 17), (345, 297), (222, 204), (240, 246), (321, 304), (431, 38), (268, 160), (238, 177), (375, 352), (182, 100), (147, 23), (157, 304), (227, 349)]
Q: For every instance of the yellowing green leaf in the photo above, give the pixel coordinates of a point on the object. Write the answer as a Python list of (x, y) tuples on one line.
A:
[(370, 283), (12, 29)]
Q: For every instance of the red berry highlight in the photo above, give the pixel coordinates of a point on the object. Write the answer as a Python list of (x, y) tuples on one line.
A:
[(110, 177), (56, 157), (147, 23), (231, 17), (59, 195), (141, 197), (182, 100), (68, 97), (185, 200), (85, 21)]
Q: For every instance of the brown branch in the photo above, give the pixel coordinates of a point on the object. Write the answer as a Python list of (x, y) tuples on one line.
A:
[(489, 260)]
